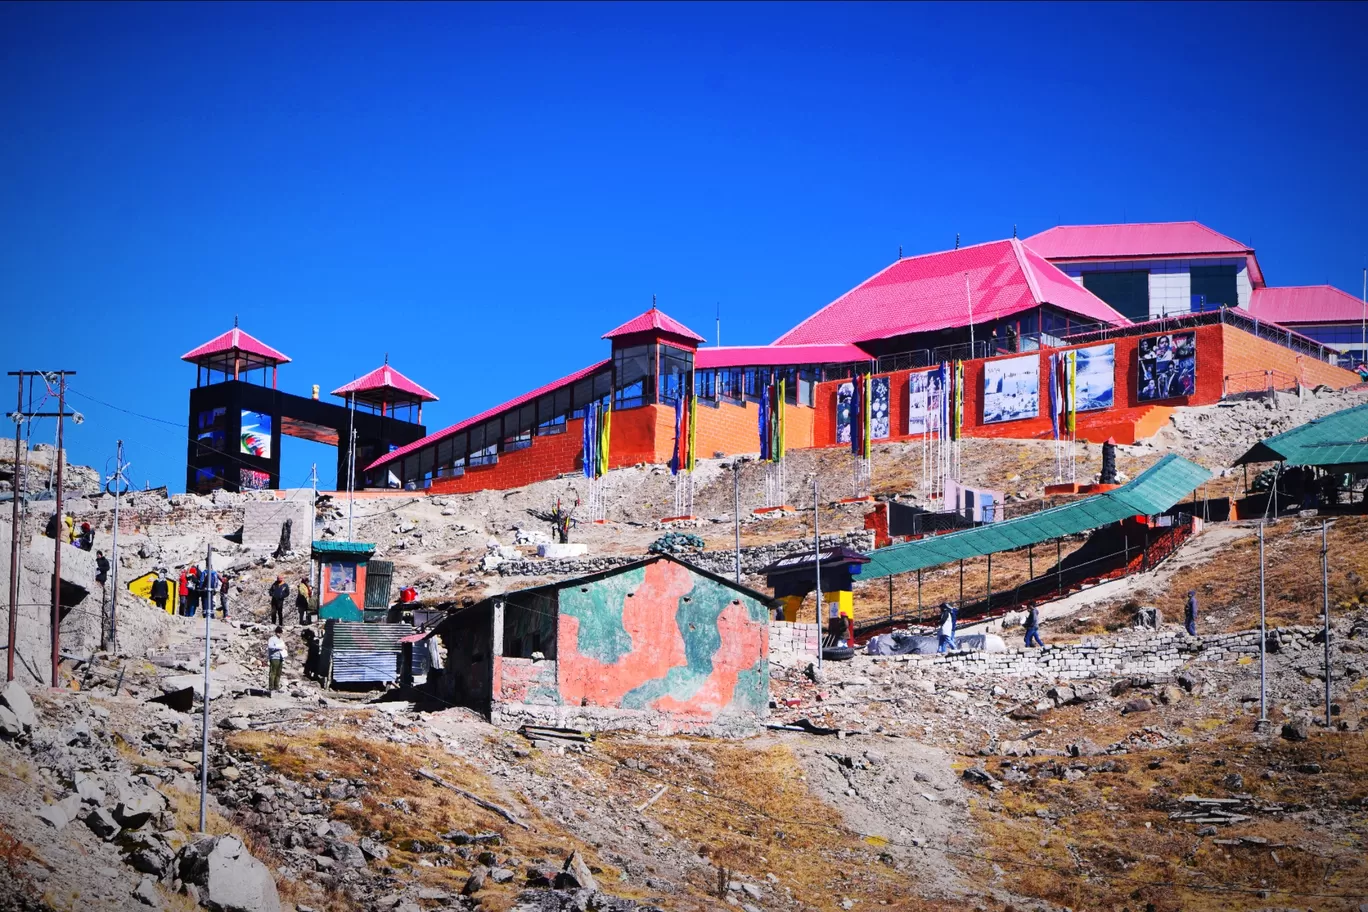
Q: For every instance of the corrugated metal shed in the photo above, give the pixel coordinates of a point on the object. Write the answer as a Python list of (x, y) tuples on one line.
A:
[(1161, 486), (1335, 440), (368, 653)]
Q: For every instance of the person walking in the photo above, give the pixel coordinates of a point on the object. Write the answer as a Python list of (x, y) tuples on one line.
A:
[(223, 594), (1033, 627), (945, 629), (278, 593), (303, 601), (1190, 613), (182, 592), (101, 567), (275, 658), (192, 586), (160, 593)]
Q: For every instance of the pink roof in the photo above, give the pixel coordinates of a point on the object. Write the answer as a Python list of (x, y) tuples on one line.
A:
[(1143, 239), (487, 413), (1306, 304), (653, 320), (927, 293), (773, 355), (385, 377), (235, 339)]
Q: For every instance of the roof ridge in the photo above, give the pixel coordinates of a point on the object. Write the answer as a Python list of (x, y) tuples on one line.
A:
[(1032, 282)]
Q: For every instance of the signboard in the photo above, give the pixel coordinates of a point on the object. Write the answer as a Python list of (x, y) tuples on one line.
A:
[(1011, 389), (879, 413), (1168, 366), (1095, 377), (256, 434), (923, 402)]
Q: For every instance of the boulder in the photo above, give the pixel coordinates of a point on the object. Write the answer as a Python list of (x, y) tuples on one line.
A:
[(229, 878), (475, 882), (1138, 705), (1061, 695), (102, 823), (373, 850), (146, 892), (137, 806), (346, 854), (90, 790), (10, 726), (1169, 695), (148, 853), (576, 874), (1296, 730), (1084, 748), (58, 814), (14, 698)]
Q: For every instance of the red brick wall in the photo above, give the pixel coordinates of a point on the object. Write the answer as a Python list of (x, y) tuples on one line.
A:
[(1221, 350), (733, 428), (547, 457)]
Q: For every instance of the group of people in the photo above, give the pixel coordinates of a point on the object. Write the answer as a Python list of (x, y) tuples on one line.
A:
[(63, 528), (280, 591), (948, 622), (195, 591)]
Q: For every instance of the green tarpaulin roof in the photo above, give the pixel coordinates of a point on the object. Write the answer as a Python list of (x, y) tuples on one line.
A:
[(1158, 488), (1335, 440), (358, 550)]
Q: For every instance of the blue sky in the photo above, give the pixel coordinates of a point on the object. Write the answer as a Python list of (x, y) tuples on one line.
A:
[(482, 190)]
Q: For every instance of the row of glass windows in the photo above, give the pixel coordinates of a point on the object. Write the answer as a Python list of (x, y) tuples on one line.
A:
[(1128, 290), (1341, 334), (641, 375)]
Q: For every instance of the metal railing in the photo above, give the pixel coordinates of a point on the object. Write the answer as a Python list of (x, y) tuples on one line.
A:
[(1258, 381), (1270, 332)]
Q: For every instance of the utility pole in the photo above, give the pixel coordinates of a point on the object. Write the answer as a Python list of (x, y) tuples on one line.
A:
[(736, 512), (19, 479), (817, 564), (1325, 598), (351, 463), (313, 505), (117, 480), (204, 721), (1263, 639), (57, 542)]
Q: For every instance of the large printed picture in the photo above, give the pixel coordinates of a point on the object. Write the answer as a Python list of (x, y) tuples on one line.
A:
[(1168, 366), (845, 404), (879, 416), (1011, 389), (1095, 377), (923, 402), (252, 480), (256, 434)]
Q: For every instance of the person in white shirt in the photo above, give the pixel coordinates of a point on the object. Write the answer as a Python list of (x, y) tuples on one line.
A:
[(275, 655)]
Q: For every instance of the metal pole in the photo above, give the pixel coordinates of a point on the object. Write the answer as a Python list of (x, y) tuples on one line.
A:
[(990, 582), (919, 597), (736, 513), (57, 545), (351, 462), (313, 507), (961, 598), (890, 596), (817, 566), (114, 555), (1059, 566), (1030, 563), (1263, 636), (14, 535), (1325, 598), (204, 721)]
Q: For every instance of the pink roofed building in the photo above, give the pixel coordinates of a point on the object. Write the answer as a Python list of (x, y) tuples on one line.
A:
[(1332, 317), (1149, 270)]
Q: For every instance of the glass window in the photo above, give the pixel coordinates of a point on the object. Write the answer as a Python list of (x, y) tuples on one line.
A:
[(1127, 292), (675, 367), (1213, 286), (705, 384), (633, 375)]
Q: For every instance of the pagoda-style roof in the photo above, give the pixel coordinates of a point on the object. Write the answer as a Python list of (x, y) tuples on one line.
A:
[(654, 321), (235, 340), (385, 379)]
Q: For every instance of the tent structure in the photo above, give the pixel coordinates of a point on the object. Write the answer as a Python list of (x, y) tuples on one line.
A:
[(1338, 441), (1157, 489)]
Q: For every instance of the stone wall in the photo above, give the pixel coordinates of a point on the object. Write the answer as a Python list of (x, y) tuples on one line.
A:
[(1140, 653), (262, 522), (793, 642), (723, 562)]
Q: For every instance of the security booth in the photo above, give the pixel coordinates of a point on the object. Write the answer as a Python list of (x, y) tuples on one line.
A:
[(350, 586), (793, 577)]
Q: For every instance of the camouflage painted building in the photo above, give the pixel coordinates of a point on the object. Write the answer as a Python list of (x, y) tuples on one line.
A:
[(658, 645)]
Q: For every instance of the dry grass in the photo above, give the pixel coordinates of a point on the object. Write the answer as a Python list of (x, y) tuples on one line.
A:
[(428, 810), (749, 809), (1113, 845), (1228, 586)]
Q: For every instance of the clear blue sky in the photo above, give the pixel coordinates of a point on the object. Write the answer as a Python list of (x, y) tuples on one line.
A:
[(482, 190)]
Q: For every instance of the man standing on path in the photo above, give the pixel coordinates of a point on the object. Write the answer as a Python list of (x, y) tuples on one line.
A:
[(1190, 613), (161, 592), (278, 593), (183, 592), (275, 657), (223, 594), (1033, 627), (101, 567)]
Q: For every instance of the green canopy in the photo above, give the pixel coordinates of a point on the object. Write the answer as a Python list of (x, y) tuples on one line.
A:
[(1157, 489), (1336, 440)]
